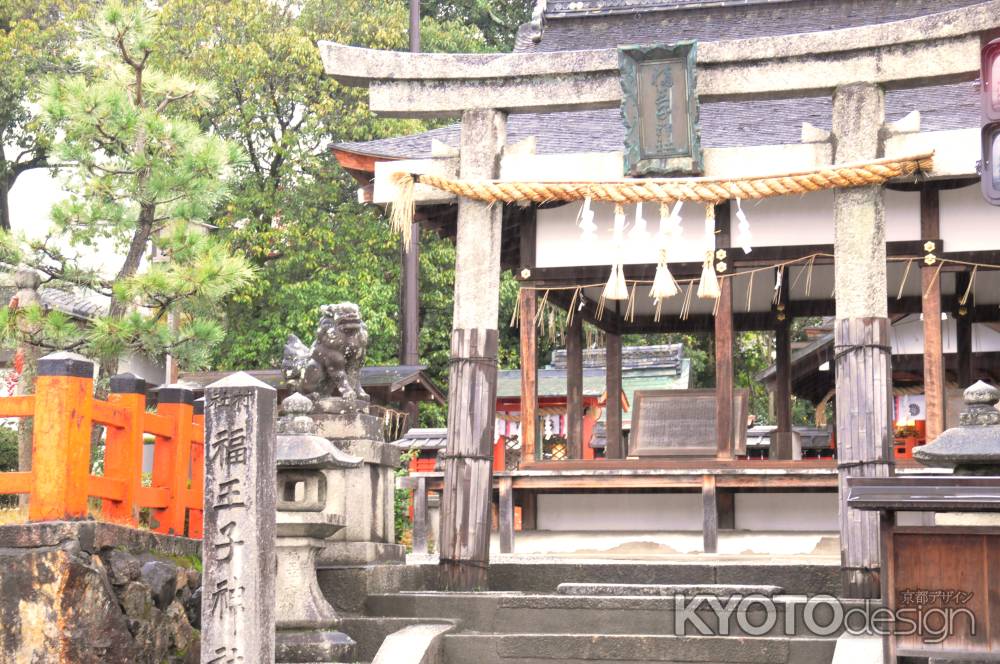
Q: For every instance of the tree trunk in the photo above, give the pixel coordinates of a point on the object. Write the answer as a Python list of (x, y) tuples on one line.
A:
[(118, 308), (5, 203)]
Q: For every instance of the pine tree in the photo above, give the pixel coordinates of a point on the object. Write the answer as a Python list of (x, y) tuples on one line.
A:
[(143, 181)]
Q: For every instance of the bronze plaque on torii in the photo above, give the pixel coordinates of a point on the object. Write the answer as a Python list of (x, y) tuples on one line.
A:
[(682, 423), (660, 110)]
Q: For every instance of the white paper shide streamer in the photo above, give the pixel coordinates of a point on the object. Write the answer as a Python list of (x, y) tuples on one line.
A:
[(586, 223), (743, 236)]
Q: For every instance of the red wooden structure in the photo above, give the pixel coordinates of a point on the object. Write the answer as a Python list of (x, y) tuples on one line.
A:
[(64, 412)]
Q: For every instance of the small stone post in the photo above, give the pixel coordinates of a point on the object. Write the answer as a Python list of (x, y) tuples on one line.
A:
[(27, 282), (238, 598)]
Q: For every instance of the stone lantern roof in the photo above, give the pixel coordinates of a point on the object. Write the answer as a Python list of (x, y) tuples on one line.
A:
[(973, 447)]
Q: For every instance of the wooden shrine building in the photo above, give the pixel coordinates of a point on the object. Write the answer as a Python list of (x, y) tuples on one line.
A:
[(840, 141)]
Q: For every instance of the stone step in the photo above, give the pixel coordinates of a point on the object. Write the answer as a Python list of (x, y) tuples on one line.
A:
[(796, 578), (632, 649), (666, 590), (515, 613), (346, 587), (370, 632)]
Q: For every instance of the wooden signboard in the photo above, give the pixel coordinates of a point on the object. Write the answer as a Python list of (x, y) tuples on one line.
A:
[(944, 580), (682, 423)]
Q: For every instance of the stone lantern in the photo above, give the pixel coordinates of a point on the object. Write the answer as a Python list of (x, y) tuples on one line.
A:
[(973, 447), (305, 620)]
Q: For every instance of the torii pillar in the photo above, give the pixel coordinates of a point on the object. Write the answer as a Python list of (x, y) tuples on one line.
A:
[(472, 387), (862, 347)]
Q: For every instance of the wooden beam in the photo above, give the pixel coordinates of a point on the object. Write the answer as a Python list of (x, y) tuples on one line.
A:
[(614, 449), (963, 333), (930, 288), (781, 443), (574, 388), (724, 416), (529, 373), (528, 307)]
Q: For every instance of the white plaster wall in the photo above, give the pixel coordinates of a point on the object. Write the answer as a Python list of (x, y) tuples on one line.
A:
[(787, 511), (798, 512), (619, 511), (780, 221), (968, 223), (907, 337)]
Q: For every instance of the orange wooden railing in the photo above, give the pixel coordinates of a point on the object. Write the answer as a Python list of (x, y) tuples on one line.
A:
[(64, 411)]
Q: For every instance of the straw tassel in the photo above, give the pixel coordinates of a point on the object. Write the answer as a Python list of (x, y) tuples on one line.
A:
[(686, 307), (630, 309), (664, 285), (403, 207), (616, 288), (708, 287)]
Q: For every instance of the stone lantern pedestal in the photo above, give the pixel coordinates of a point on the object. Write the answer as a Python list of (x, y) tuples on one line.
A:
[(305, 620), (364, 494)]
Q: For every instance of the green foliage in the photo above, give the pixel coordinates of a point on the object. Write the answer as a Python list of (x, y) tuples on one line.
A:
[(293, 212), (8, 449), (141, 171), (33, 44), (498, 20)]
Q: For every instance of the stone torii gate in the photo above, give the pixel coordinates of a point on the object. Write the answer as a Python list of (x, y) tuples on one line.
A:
[(854, 66)]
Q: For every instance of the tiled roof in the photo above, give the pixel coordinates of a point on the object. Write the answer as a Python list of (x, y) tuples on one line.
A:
[(610, 23), (665, 356), (424, 439), (70, 304), (552, 382)]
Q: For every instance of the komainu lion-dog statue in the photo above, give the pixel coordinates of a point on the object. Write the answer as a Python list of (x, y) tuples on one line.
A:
[(332, 366)]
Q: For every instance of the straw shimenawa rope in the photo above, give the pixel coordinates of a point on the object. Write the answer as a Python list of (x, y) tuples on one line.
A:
[(702, 190)]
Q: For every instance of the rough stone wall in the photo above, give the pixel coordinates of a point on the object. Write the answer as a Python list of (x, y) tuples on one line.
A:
[(87, 593)]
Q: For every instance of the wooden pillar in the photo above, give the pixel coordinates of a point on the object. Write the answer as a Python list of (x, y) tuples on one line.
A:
[(64, 404), (574, 388), (528, 307), (963, 333), (930, 302), (468, 473), (724, 416), (613, 361), (710, 515), (861, 335), (781, 442)]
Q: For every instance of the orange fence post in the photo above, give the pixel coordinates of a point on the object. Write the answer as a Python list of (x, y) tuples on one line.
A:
[(123, 448), (172, 458), (60, 465), (197, 492)]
